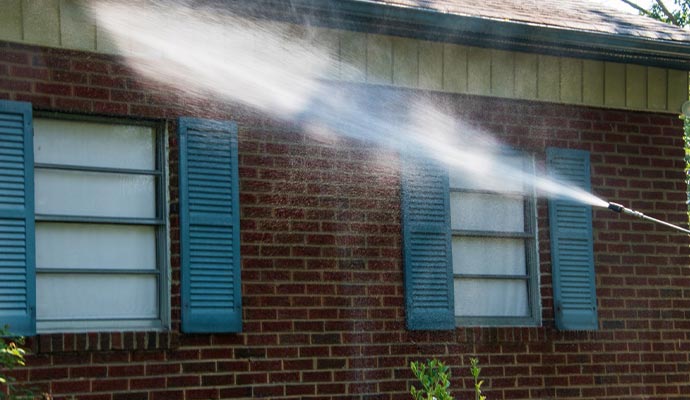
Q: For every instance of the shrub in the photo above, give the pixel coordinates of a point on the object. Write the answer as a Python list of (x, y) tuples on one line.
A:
[(434, 377), (12, 356)]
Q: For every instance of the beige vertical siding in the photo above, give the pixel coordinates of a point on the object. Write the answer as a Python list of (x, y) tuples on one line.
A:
[(526, 75), (404, 62), (379, 59), (657, 86), (502, 73), (636, 86), (454, 68), (549, 78), (614, 84), (677, 89), (77, 30), (11, 20), (571, 80), (353, 56), (478, 71), (593, 82), (431, 65), (41, 22)]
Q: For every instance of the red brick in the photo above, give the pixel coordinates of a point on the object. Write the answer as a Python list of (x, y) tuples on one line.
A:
[(110, 108), (53, 88), (91, 93), (15, 85), (14, 57)]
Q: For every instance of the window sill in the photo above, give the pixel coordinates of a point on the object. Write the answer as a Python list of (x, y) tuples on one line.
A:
[(49, 343)]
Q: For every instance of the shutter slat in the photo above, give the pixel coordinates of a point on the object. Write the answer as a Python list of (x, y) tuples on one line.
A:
[(209, 225), (572, 256), (17, 269), (429, 298)]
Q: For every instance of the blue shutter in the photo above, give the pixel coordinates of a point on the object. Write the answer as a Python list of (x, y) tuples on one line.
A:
[(429, 300), (572, 258), (17, 261), (209, 227)]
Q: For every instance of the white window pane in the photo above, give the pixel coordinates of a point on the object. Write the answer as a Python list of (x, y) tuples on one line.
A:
[(95, 246), (72, 296), (507, 174), (487, 212), (495, 256), (94, 194), (94, 144), (496, 298)]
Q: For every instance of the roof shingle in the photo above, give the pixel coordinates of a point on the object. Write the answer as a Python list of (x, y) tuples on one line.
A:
[(576, 15)]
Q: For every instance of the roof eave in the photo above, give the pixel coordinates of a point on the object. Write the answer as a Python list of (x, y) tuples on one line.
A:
[(364, 15)]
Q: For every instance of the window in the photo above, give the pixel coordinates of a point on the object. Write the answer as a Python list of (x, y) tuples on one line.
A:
[(493, 247), (469, 250), (99, 226), (84, 225), (470, 254)]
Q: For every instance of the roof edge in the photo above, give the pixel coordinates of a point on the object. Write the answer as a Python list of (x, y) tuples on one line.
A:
[(427, 24)]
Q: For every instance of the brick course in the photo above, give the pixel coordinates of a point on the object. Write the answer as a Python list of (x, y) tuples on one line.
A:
[(322, 270)]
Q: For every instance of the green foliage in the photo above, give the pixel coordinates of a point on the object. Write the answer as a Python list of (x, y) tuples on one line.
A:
[(679, 15), (11, 356), (434, 377), (686, 138), (475, 370)]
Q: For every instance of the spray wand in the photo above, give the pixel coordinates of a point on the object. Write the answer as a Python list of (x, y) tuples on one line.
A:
[(621, 209)]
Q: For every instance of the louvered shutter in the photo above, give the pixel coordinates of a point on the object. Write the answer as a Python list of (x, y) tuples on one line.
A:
[(429, 299), (17, 261), (209, 226), (572, 257)]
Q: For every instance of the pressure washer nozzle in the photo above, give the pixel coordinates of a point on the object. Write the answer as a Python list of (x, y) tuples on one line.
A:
[(616, 207), (624, 210)]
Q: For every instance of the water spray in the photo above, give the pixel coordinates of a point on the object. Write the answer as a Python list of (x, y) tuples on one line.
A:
[(624, 210)]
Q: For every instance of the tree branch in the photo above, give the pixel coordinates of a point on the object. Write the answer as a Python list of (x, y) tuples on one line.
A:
[(668, 13), (638, 8)]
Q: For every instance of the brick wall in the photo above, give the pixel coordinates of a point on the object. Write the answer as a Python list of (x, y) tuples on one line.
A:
[(322, 274)]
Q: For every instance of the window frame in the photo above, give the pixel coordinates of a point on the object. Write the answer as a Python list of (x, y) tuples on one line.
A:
[(160, 223), (531, 246)]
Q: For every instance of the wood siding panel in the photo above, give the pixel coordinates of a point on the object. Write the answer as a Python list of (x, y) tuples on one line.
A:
[(478, 71), (614, 84), (104, 42), (11, 20), (379, 59), (502, 73), (77, 30), (431, 66), (405, 62), (328, 41), (677, 89), (41, 22), (455, 68), (593, 82), (526, 76), (636, 86), (353, 56), (657, 84), (549, 83), (571, 80)]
